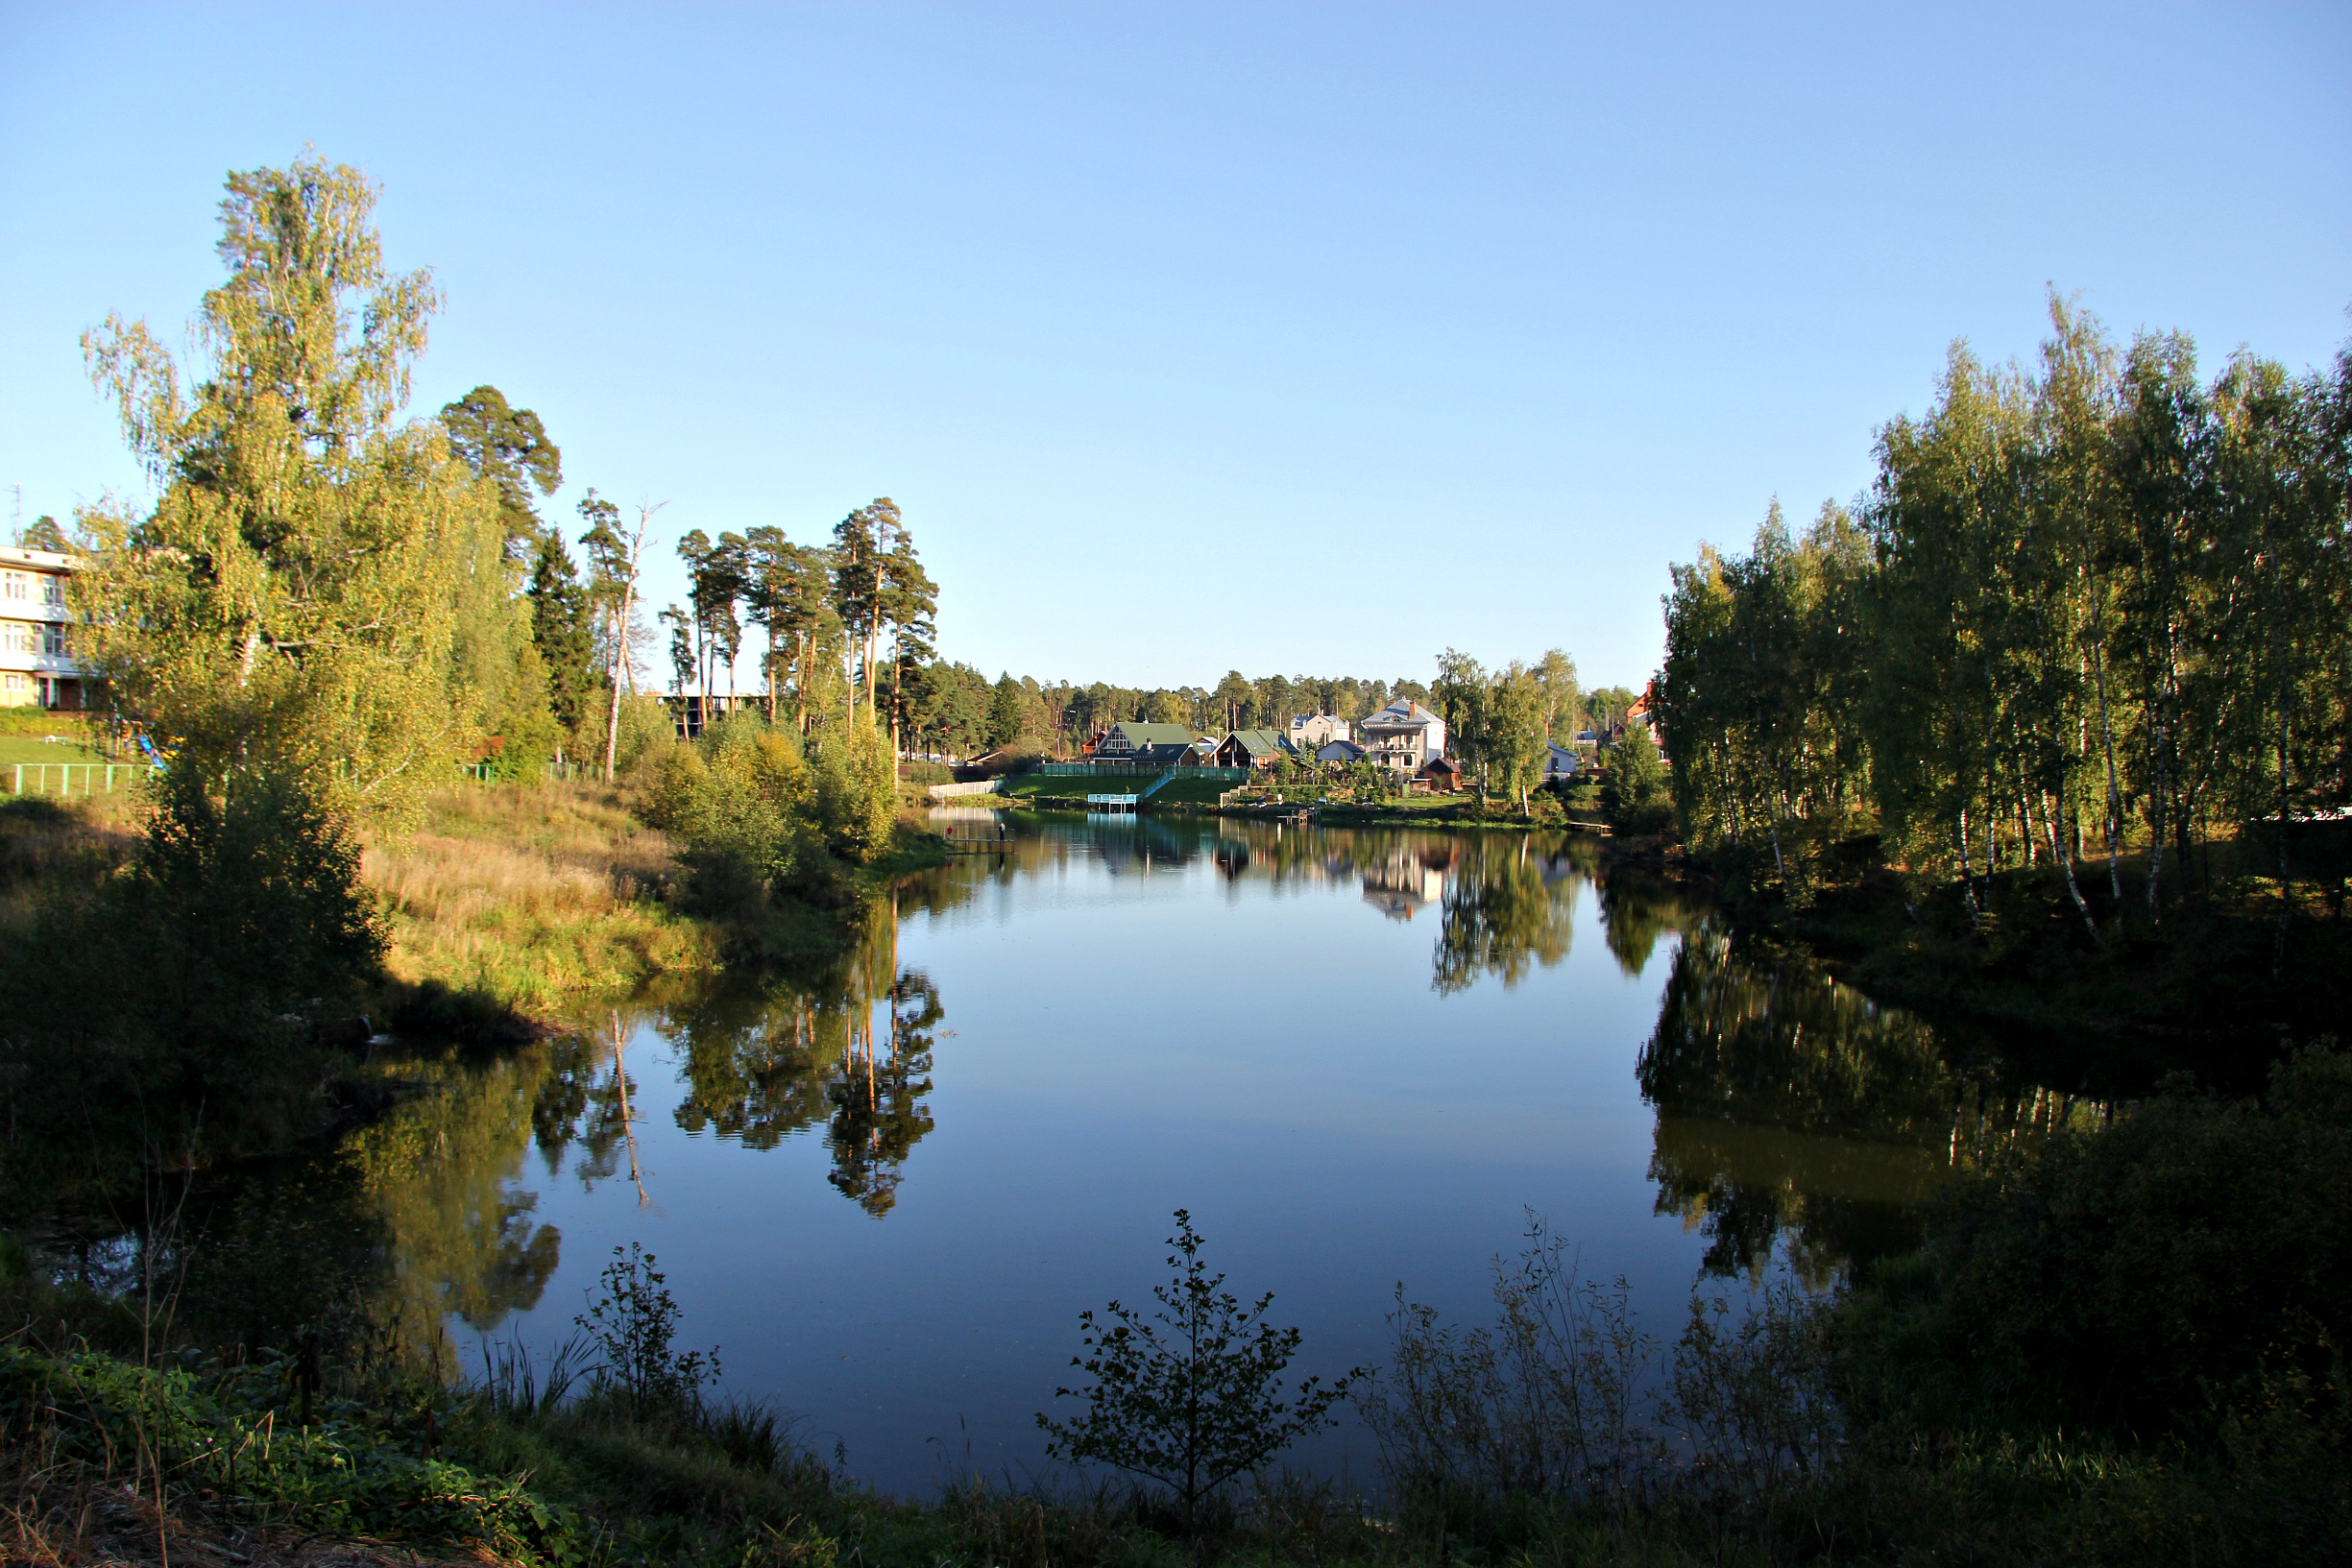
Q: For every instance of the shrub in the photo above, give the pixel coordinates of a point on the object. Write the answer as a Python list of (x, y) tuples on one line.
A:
[(236, 930), (1198, 1405), (2136, 1276), (1633, 791), (632, 1324)]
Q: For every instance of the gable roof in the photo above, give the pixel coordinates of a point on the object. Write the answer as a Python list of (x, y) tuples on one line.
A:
[(1259, 742), (1140, 733), (1338, 751), (1404, 713)]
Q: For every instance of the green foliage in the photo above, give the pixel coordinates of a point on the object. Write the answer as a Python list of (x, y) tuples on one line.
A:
[(237, 931), (642, 725), (346, 1473), (508, 448), (741, 803), (42, 533), (1518, 707), (857, 790), (1567, 1407), (1190, 1396), (1634, 789), (632, 1324), (563, 631), (756, 817), (1008, 712), (2185, 1261), (297, 594), (2100, 602)]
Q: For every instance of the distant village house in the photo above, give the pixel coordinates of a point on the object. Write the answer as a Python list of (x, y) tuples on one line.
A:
[(1256, 749), (1162, 745), (1404, 736), (1312, 729)]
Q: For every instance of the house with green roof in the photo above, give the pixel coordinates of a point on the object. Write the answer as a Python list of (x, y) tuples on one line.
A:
[(1251, 749)]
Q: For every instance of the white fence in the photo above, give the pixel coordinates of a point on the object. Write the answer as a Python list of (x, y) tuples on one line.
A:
[(979, 786), (71, 778)]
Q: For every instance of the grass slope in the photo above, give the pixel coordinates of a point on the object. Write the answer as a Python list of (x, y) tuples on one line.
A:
[(531, 893)]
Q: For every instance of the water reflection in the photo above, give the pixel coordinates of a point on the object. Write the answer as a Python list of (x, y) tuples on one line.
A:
[(1796, 1116), (846, 1043), (1782, 1113)]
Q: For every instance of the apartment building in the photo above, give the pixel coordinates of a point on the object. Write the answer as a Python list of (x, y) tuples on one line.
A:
[(36, 669)]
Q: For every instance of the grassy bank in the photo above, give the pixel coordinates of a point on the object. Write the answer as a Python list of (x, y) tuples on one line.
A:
[(531, 894)]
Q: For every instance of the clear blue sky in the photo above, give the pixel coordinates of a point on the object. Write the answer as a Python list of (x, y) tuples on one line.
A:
[(1297, 338)]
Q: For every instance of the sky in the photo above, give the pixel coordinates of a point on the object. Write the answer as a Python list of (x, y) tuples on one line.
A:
[(1292, 338)]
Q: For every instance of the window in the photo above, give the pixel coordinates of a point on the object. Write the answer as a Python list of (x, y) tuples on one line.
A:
[(17, 585), (53, 641), (53, 591), (20, 637), (16, 682)]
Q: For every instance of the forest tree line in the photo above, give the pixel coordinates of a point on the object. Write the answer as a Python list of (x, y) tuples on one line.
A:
[(2094, 608), (967, 711)]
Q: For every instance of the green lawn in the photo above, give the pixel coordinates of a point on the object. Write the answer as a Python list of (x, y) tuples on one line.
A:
[(32, 748), (1073, 787)]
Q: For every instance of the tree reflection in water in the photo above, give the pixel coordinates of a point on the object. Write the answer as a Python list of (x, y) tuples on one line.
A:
[(1506, 907), (847, 1042), (1796, 1116)]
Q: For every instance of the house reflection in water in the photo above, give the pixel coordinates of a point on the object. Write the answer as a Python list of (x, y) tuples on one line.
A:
[(1409, 879)]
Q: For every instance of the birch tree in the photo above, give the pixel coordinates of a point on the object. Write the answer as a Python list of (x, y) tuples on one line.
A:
[(290, 599)]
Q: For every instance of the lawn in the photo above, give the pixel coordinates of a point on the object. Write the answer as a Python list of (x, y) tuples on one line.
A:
[(1075, 788), (32, 748)]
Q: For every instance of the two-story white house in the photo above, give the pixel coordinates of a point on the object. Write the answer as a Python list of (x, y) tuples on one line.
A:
[(36, 666), (1404, 736), (1310, 730)]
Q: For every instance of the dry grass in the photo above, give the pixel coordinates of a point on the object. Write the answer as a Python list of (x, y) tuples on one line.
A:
[(532, 893), (45, 846)]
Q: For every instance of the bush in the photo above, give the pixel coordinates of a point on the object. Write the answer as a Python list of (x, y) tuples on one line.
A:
[(223, 1437), (632, 1324), (1194, 1408), (1634, 792), (2152, 1275), (237, 932)]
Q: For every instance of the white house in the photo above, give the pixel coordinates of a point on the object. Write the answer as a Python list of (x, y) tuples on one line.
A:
[(1309, 731), (35, 668), (1559, 761), (1404, 736)]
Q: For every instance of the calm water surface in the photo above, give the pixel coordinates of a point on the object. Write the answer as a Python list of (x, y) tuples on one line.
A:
[(885, 1188)]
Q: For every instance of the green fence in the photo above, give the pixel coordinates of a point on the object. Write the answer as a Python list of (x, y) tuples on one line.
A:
[(72, 778)]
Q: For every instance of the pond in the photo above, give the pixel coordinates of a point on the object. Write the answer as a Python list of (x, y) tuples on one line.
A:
[(886, 1186)]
